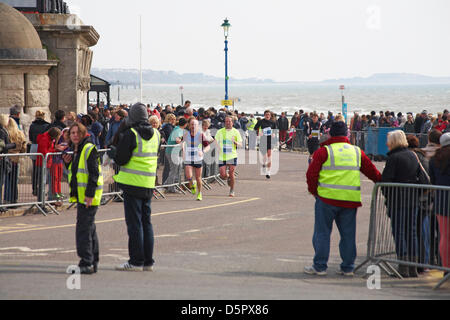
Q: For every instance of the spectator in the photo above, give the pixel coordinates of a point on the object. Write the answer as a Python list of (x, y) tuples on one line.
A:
[(114, 126), (60, 117), (433, 143), (71, 118), (37, 127), (440, 175), (46, 144), (173, 157), (283, 127), (402, 167), (409, 126), (16, 137), (14, 112)]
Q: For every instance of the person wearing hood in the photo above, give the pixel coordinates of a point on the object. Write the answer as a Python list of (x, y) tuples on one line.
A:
[(137, 155), (333, 178)]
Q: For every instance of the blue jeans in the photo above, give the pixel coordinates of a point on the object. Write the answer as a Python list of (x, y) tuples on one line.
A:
[(140, 230), (345, 219)]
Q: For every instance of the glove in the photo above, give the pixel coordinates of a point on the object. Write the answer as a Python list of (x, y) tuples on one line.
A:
[(112, 152)]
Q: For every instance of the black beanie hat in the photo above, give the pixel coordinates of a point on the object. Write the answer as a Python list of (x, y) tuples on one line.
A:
[(338, 129)]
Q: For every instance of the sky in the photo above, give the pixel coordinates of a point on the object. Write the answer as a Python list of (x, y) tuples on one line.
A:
[(282, 40)]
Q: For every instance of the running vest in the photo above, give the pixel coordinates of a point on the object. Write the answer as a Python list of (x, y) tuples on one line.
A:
[(314, 130), (83, 175), (252, 123), (228, 149), (140, 171), (340, 175), (194, 144)]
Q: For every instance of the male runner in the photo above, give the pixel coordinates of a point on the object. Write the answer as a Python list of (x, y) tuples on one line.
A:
[(228, 139)]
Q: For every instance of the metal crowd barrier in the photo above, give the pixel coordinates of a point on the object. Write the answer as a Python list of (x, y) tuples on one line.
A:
[(409, 226), (20, 181)]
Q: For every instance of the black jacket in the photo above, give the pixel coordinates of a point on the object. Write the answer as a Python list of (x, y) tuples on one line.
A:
[(92, 166), (124, 152), (283, 123), (401, 166), (58, 124), (37, 127)]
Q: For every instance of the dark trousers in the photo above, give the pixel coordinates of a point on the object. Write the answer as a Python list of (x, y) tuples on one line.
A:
[(140, 230), (86, 236)]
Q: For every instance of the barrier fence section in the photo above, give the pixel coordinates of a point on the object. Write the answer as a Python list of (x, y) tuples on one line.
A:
[(20, 180), (409, 226)]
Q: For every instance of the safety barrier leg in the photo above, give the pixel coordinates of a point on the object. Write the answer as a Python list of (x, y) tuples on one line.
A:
[(445, 279)]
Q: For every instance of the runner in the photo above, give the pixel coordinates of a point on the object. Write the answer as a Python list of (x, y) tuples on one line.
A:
[(312, 131), (195, 144), (228, 140), (265, 127)]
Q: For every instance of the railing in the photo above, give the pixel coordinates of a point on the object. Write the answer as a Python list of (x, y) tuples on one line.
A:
[(409, 226), (34, 180)]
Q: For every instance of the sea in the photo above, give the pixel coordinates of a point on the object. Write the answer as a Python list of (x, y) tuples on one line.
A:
[(278, 97)]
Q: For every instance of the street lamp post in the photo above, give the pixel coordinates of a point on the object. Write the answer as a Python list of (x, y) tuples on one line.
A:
[(181, 91), (226, 28)]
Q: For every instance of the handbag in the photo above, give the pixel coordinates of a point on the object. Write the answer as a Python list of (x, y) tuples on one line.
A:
[(425, 197)]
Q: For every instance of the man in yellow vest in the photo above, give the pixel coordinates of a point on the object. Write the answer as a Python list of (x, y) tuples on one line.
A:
[(137, 155), (333, 178)]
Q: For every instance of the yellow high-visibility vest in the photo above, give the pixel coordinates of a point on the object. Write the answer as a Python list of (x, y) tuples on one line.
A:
[(140, 171), (83, 176), (339, 178)]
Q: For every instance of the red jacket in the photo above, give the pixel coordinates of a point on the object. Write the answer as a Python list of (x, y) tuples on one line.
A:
[(45, 145), (321, 156)]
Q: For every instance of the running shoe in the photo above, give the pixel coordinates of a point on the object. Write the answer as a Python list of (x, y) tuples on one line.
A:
[(199, 197), (231, 193), (194, 188)]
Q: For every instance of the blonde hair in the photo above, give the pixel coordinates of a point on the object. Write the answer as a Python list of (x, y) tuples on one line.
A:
[(15, 134), (40, 114), (396, 139), (340, 118), (170, 117), (154, 121)]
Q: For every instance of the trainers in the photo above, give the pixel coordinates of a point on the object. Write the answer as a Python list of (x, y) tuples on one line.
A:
[(148, 268), (346, 274), (231, 193), (129, 267), (194, 188), (312, 271), (199, 197)]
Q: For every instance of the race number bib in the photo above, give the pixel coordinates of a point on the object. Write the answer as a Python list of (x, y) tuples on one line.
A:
[(267, 131), (315, 133)]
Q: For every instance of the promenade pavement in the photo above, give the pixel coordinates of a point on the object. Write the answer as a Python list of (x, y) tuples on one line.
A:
[(253, 246)]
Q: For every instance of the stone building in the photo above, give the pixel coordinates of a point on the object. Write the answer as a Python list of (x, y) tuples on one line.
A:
[(24, 65), (45, 62)]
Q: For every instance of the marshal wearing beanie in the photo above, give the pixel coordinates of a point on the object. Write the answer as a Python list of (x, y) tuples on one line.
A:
[(338, 129), (138, 113)]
